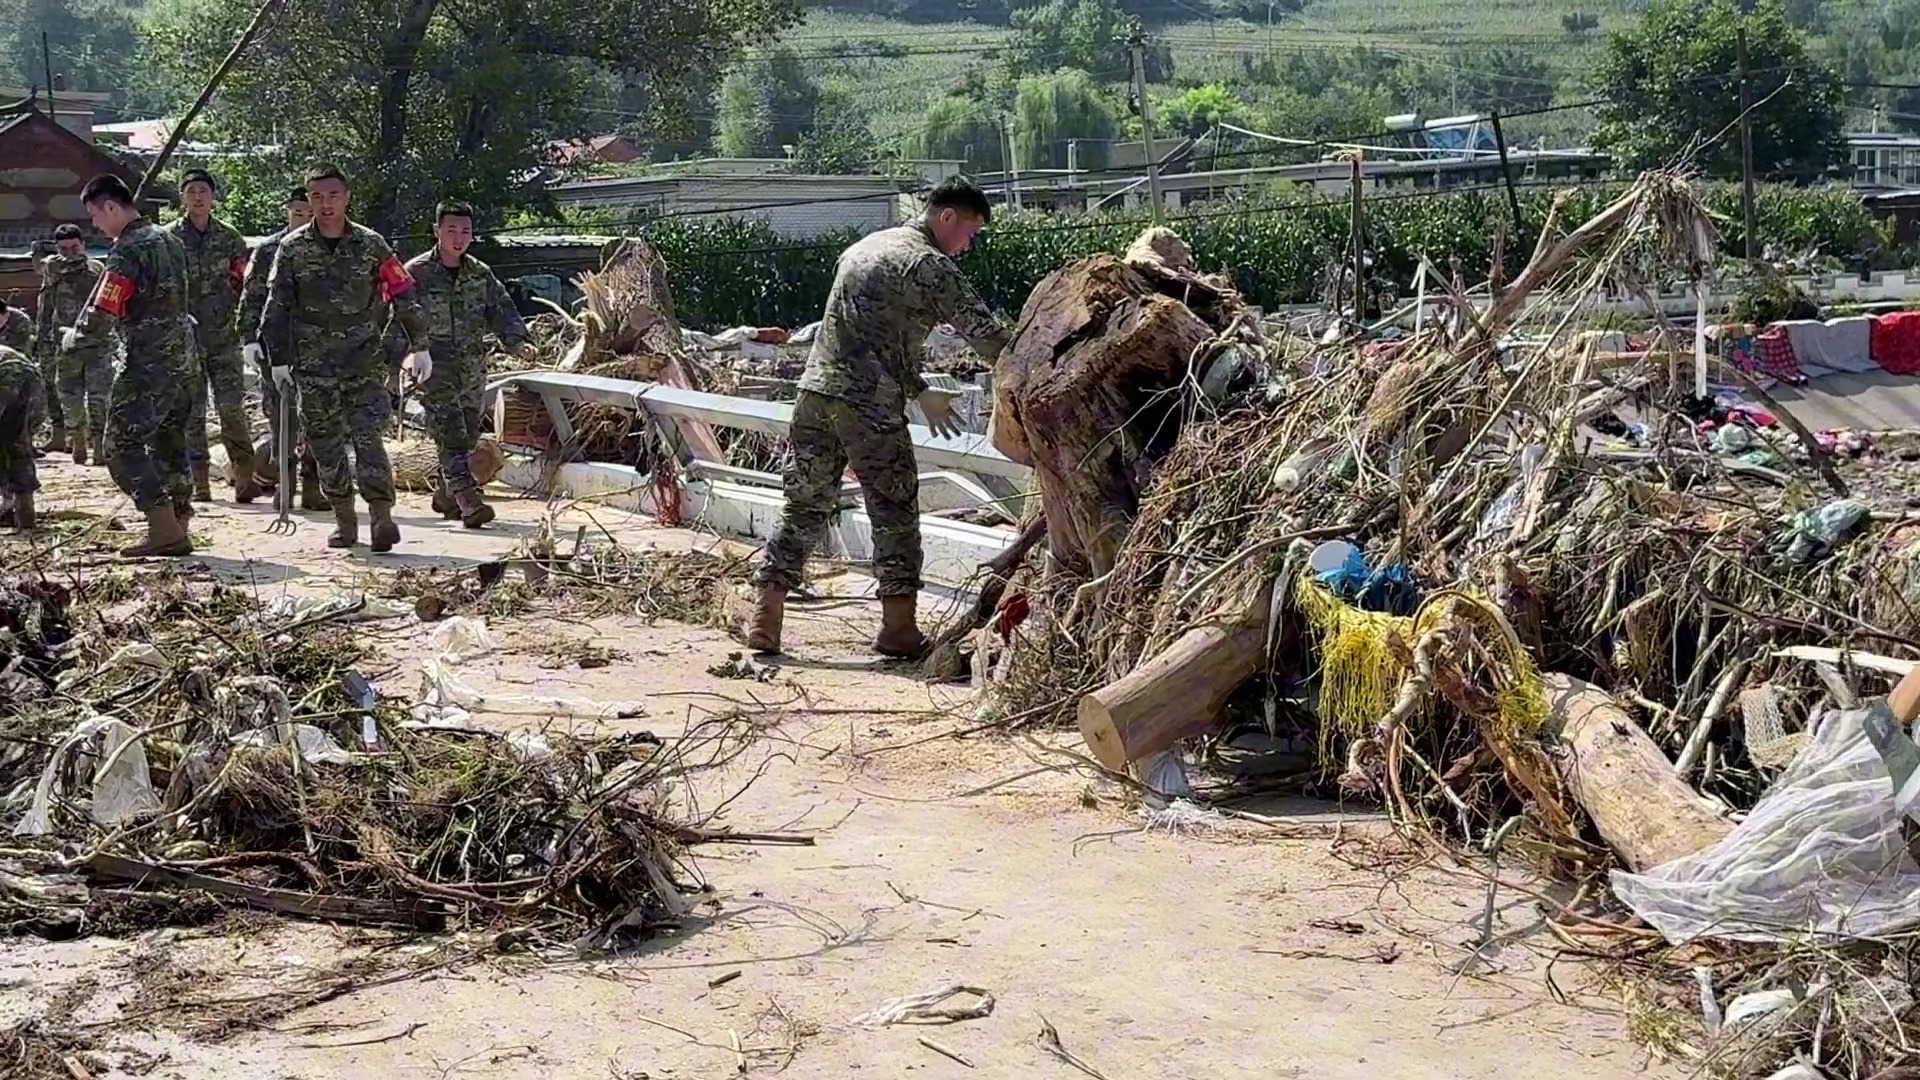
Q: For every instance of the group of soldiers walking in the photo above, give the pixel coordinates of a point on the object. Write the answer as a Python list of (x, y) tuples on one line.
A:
[(323, 310)]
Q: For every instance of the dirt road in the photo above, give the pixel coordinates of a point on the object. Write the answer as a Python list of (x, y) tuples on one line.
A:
[(1232, 950)]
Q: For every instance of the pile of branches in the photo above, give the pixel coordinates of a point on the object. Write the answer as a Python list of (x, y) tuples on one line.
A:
[(1524, 546), (185, 750), (587, 580)]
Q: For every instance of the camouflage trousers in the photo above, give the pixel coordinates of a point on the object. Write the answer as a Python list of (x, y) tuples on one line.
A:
[(21, 396), (451, 400), (223, 367), (827, 435), (86, 387), (342, 413), (46, 407), (148, 415)]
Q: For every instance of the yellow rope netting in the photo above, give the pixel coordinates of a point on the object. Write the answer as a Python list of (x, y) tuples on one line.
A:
[(1361, 674)]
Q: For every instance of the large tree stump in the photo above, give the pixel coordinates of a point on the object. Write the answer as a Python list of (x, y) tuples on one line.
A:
[(1619, 776), (1081, 393)]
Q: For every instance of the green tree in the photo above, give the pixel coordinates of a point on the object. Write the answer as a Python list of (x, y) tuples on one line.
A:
[(1672, 88), (94, 42), (1086, 34), (766, 103), (1198, 110), (1051, 111), (959, 127), (420, 100), (840, 137)]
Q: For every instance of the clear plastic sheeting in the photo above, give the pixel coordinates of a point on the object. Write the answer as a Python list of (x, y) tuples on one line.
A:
[(1825, 852)]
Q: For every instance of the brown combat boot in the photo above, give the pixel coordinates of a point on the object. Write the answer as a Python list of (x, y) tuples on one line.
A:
[(474, 511), (444, 503), (23, 511), (202, 483), (165, 536), (311, 497), (769, 613), (77, 446), (245, 487), (347, 526), (385, 532), (900, 636)]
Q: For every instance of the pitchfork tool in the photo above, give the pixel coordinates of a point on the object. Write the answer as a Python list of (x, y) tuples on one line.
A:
[(285, 524)]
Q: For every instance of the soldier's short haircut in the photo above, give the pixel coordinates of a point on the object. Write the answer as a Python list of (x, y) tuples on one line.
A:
[(325, 172), (298, 194), (197, 176), (107, 188), (962, 194), (452, 209), (69, 231)]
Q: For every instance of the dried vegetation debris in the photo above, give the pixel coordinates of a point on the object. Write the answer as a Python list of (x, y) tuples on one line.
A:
[(1515, 573)]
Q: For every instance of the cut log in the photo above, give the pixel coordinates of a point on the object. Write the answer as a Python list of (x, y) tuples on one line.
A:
[(1176, 695), (1620, 777)]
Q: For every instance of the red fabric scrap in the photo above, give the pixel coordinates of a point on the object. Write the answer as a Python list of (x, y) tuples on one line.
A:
[(1774, 353), (771, 335), (1895, 344), (1013, 611)]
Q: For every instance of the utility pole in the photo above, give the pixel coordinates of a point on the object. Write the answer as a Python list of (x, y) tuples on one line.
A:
[(1006, 163), (1136, 51), (1013, 165), (1359, 247), (46, 66), (1506, 174), (1746, 139)]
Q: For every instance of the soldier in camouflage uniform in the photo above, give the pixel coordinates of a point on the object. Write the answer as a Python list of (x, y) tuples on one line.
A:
[(889, 291), (332, 286), (16, 333), (83, 379), (144, 293), (216, 262), (463, 302), (19, 389), (253, 303)]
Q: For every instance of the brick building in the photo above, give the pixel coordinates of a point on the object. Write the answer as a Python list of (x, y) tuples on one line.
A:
[(43, 167)]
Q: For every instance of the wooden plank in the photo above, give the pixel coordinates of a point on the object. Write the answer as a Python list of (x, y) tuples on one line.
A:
[(286, 902)]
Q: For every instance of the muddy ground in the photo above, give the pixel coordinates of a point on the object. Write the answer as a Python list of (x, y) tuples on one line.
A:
[(1317, 946)]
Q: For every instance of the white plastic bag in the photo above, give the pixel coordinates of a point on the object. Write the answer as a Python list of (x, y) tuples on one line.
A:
[(1824, 852), (121, 791)]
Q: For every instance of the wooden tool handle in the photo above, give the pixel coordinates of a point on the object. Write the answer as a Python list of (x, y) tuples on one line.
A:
[(1904, 702)]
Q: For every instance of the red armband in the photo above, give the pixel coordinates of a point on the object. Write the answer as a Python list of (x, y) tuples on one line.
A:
[(394, 279), (115, 292), (237, 272)]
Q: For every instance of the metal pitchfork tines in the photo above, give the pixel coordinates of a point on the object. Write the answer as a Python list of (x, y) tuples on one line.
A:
[(285, 525)]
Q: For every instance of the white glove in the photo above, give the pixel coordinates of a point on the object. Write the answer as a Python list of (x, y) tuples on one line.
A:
[(68, 338), (251, 352), (282, 375), (938, 407), (420, 363)]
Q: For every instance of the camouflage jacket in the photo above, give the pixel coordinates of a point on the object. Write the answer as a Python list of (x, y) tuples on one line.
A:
[(144, 293), (328, 302), (216, 260), (253, 287), (18, 376), (16, 328), (890, 290), (69, 285), (462, 306)]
